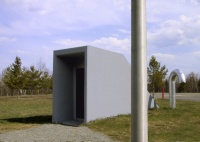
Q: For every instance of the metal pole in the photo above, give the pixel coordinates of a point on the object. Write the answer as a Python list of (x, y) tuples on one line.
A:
[(173, 94), (172, 82), (139, 117)]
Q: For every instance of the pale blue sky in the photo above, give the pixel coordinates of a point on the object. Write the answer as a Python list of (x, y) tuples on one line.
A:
[(32, 29)]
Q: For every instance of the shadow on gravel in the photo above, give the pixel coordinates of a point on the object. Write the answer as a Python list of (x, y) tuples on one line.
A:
[(46, 119)]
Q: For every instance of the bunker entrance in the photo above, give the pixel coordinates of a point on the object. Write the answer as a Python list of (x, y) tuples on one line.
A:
[(71, 80), (80, 93)]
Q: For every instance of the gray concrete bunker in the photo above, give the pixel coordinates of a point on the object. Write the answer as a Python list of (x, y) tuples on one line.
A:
[(90, 83)]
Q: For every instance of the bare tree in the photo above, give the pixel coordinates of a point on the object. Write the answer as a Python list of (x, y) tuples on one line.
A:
[(192, 82), (41, 66)]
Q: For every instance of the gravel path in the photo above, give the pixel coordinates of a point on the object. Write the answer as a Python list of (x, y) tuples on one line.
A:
[(54, 133)]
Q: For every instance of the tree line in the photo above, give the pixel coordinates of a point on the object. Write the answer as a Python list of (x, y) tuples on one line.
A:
[(158, 79), (18, 80)]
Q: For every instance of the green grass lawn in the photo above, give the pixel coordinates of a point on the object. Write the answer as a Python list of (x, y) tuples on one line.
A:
[(24, 112), (180, 124), (165, 125)]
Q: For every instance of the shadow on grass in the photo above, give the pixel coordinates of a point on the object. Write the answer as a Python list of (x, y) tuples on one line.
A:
[(46, 119)]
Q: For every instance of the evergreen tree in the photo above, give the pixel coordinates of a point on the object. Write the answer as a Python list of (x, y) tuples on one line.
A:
[(166, 85), (25, 80), (156, 74), (46, 82), (13, 76), (180, 87), (33, 79)]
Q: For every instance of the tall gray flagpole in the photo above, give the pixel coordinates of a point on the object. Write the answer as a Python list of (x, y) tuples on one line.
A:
[(139, 117)]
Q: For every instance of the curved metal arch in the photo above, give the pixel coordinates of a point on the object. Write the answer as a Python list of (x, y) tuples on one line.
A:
[(172, 90)]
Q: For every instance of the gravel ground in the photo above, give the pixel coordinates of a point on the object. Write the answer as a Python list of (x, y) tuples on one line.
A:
[(54, 133)]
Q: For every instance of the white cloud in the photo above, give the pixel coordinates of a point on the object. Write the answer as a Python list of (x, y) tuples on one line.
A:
[(7, 39), (30, 5), (173, 27), (122, 5), (158, 11), (114, 44), (70, 43), (22, 52), (109, 43), (124, 31), (197, 54), (187, 62), (195, 1), (35, 16), (175, 33), (165, 56)]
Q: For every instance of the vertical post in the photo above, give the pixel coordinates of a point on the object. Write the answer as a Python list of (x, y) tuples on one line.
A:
[(163, 93), (139, 118), (173, 105), (172, 94)]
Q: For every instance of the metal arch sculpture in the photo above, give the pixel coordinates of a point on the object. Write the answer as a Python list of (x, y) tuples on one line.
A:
[(172, 90)]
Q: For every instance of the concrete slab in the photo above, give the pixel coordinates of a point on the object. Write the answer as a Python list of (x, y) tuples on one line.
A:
[(73, 123)]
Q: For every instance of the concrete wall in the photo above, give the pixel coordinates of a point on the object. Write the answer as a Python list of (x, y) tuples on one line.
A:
[(108, 81), (64, 64), (62, 90), (107, 87)]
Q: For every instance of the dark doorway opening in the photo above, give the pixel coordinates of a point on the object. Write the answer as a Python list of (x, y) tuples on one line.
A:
[(80, 93)]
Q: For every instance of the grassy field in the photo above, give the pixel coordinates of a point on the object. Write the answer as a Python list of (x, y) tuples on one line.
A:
[(24, 112), (165, 125)]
